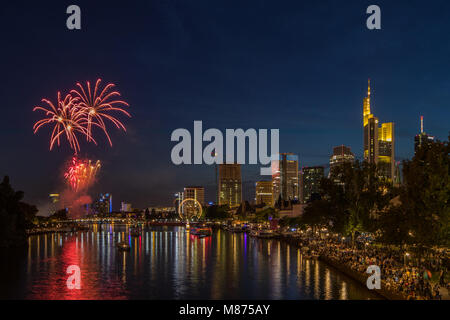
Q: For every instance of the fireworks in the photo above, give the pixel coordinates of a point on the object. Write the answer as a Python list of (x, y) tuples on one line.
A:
[(79, 111), (81, 174), (97, 106), (75, 115), (66, 118)]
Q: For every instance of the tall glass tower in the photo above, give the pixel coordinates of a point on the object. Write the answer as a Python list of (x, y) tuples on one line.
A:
[(379, 142)]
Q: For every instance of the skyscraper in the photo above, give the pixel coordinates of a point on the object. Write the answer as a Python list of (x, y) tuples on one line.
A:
[(285, 177), (422, 138), (379, 141), (311, 177), (341, 154), (263, 193), (106, 200), (230, 185), (197, 193)]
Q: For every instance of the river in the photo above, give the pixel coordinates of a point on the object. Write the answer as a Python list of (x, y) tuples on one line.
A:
[(168, 263)]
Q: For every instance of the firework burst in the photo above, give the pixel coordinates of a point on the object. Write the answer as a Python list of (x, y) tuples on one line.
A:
[(81, 174), (67, 119), (79, 111), (97, 106)]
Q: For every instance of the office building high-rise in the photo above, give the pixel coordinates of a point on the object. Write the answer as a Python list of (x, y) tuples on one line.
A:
[(125, 207), (105, 202), (263, 193), (285, 177), (193, 192), (422, 138), (311, 177), (341, 155), (230, 185), (379, 141)]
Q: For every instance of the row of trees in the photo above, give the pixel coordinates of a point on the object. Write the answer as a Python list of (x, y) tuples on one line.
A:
[(357, 199), (244, 212)]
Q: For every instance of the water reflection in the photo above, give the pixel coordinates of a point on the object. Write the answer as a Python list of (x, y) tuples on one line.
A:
[(168, 263)]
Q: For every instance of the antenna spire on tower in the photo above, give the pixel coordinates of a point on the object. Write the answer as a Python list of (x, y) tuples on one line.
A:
[(421, 124)]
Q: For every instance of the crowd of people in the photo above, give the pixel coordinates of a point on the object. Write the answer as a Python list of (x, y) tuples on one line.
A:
[(411, 278)]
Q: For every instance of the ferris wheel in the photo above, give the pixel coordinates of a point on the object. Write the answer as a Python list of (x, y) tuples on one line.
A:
[(189, 208)]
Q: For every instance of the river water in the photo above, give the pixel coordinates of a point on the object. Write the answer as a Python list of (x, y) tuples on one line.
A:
[(168, 263)]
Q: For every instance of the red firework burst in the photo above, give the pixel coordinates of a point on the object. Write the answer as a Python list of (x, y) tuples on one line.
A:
[(97, 106), (81, 174)]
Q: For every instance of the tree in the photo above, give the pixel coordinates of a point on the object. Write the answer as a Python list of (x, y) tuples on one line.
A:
[(317, 214), (216, 212), (393, 229), (59, 215), (265, 214), (244, 209), (365, 192), (350, 199), (15, 215), (29, 212), (422, 217)]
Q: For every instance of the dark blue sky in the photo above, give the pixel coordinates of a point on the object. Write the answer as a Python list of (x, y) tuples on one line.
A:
[(300, 66)]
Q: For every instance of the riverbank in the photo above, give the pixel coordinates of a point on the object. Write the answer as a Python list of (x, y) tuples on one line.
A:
[(362, 279), (398, 280), (38, 231), (57, 229), (358, 277)]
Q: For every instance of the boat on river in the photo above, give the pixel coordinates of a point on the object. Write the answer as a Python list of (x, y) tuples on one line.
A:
[(266, 234), (201, 231), (253, 233), (236, 229)]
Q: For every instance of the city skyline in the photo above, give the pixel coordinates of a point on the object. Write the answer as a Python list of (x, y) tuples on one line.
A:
[(225, 158), (300, 75)]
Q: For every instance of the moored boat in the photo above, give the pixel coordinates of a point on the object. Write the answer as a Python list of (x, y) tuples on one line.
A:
[(266, 234), (253, 233), (236, 229), (123, 246), (201, 231)]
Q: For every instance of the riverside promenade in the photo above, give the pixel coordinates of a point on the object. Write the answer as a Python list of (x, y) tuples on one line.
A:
[(398, 280)]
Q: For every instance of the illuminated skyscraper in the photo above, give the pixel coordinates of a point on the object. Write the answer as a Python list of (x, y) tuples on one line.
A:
[(125, 207), (263, 192), (197, 193), (379, 141), (230, 185), (341, 154), (370, 131), (106, 202), (311, 177), (285, 177), (422, 138)]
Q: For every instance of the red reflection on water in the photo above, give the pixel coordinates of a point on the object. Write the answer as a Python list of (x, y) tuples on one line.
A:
[(55, 286)]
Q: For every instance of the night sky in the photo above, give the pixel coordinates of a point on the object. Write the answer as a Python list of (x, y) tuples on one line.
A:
[(300, 66)]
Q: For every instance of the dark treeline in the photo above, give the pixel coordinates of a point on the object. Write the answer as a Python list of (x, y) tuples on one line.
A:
[(15, 216)]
